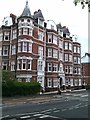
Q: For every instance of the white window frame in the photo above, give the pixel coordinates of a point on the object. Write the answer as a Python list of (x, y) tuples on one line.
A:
[(79, 71), (49, 52), (29, 64), (18, 65), (71, 81), (40, 65), (24, 46), (24, 63), (55, 83), (40, 51), (14, 34), (70, 58), (40, 36), (6, 34), (49, 67), (70, 69), (19, 46), (49, 38), (49, 82), (66, 57), (6, 50), (70, 46), (12, 66), (55, 39), (55, 53), (27, 79), (20, 31), (13, 49), (30, 32), (75, 59), (55, 67), (75, 49), (4, 64), (60, 44), (66, 68), (78, 60), (80, 82), (75, 70), (30, 47), (66, 45), (25, 31)]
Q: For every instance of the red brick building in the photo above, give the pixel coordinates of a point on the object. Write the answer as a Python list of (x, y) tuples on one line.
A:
[(39, 50), (85, 62)]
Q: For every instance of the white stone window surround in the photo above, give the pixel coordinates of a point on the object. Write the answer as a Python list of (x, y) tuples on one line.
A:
[(13, 66), (28, 61)]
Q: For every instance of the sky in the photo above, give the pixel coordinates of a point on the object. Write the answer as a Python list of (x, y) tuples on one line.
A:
[(64, 12)]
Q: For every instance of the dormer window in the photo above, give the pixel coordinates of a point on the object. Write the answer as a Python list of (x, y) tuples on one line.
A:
[(52, 27)]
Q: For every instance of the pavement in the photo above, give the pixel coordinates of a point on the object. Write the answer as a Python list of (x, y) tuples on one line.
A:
[(45, 97)]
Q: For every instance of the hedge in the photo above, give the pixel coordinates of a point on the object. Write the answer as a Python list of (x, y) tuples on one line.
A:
[(12, 88)]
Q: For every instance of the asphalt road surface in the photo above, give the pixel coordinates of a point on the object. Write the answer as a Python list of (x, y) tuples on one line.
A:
[(68, 107)]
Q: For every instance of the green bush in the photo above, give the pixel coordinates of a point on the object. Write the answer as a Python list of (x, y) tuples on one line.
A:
[(20, 88)]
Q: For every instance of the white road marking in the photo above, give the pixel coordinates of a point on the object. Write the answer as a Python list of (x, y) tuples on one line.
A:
[(78, 104), (71, 108), (44, 116), (54, 108), (46, 110), (37, 114), (84, 96), (56, 111), (23, 117), (5, 116), (64, 109), (77, 95)]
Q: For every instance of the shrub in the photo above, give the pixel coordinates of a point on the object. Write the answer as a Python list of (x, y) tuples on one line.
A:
[(20, 88)]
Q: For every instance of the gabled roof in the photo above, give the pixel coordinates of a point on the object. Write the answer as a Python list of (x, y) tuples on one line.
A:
[(26, 12), (38, 14), (59, 26), (65, 30)]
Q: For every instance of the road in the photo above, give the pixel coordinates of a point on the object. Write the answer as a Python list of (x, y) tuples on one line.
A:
[(68, 107)]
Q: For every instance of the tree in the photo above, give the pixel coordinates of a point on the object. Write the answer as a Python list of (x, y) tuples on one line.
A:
[(83, 3)]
